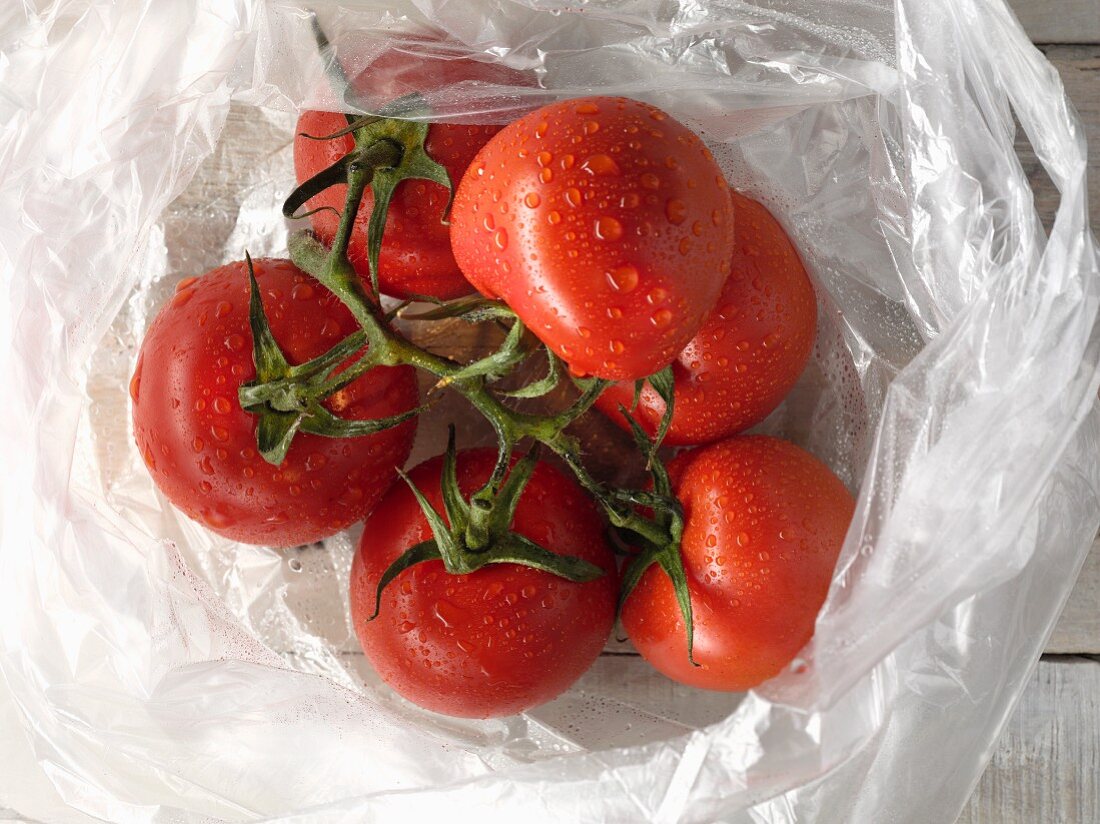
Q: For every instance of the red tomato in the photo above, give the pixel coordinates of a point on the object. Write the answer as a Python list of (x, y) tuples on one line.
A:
[(503, 638), (751, 349), (605, 224), (764, 523), (200, 446), (416, 253)]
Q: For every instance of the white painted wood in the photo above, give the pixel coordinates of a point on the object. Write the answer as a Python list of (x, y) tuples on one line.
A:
[(1046, 769), (1059, 21)]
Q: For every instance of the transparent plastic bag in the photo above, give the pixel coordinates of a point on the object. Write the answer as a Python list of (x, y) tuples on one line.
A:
[(152, 672)]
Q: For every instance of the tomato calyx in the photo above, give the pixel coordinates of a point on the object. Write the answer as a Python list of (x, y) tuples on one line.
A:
[(669, 516), (664, 384), (288, 399), (389, 148), (465, 543)]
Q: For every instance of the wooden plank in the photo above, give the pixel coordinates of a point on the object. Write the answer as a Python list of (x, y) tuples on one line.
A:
[(1078, 630), (1079, 68), (1059, 21), (1047, 764)]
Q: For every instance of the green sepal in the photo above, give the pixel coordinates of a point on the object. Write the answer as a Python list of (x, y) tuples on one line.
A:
[(424, 551), (494, 366), (274, 434), (319, 421), (632, 574), (507, 498), (458, 511), (543, 386), (664, 383), (517, 549), (449, 550), (638, 386), (270, 362), (334, 175), (472, 308)]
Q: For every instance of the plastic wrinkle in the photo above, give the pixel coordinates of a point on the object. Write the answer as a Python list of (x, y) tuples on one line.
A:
[(152, 672)]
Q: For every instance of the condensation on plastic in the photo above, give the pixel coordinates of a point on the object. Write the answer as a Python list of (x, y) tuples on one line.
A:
[(151, 672)]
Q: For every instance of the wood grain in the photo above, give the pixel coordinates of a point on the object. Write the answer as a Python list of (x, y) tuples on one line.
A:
[(1078, 630), (1046, 769), (1059, 21)]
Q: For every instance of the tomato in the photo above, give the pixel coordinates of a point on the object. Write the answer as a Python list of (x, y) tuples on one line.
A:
[(200, 445), (605, 225), (751, 349), (416, 253), (499, 640), (764, 524)]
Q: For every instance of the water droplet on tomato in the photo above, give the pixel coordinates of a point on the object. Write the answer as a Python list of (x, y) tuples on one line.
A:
[(448, 613), (771, 340), (601, 165), (206, 466), (135, 383), (198, 444), (675, 211), (220, 433), (650, 181), (222, 406), (489, 223), (685, 246), (657, 295), (544, 158), (573, 196), (567, 162), (223, 309), (742, 539), (181, 298), (302, 291), (591, 127), (554, 218), (501, 239), (205, 486), (614, 312), (623, 278), (587, 107), (608, 228), (405, 627), (662, 317), (532, 200), (617, 347), (630, 200), (541, 128)]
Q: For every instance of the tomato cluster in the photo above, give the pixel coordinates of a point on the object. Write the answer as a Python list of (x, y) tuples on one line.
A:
[(274, 403)]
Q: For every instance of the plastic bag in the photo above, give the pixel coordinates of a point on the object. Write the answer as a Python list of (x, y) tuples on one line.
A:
[(150, 672)]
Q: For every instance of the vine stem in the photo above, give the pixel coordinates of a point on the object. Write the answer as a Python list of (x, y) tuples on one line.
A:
[(386, 347)]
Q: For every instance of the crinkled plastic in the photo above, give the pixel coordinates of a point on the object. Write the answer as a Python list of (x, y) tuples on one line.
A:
[(151, 672)]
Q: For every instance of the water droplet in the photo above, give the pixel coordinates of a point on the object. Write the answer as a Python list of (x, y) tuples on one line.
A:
[(465, 646), (528, 591), (205, 486), (697, 228), (763, 556), (135, 384), (657, 114), (206, 466), (540, 129), (591, 127), (675, 211), (614, 312), (623, 278), (650, 181), (742, 539), (181, 298), (587, 107), (330, 328), (532, 200), (573, 196), (657, 295), (186, 283), (554, 218), (315, 461), (302, 291), (607, 228), (630, 200), (501, 239), (489, 223), (617, 347), (295, 565), (234, 342), (711, 541), (198, 444), (222, 406), (546, 175), (585, 332), (662, 317), (544, 158), (220, 433), (771, 340), (601, 165), (405, 627), (448, 613), (222, 309), (567, 161)]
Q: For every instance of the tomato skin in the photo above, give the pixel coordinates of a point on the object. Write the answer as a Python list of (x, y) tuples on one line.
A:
[(502, 639), (200, 445), (605, 225), (764, 524), (751, 349), (416, 255)]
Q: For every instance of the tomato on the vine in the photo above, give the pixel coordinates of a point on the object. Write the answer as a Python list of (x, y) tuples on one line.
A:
[(200, 445), (764, 522), (751, 349), (605, 225), (416, 255), (503, 638)]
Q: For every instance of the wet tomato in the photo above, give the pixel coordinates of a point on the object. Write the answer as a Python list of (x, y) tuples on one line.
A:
[(751, 349), (605, 225), (416, 255), (764, 524), (200, 445), (503, 638)]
